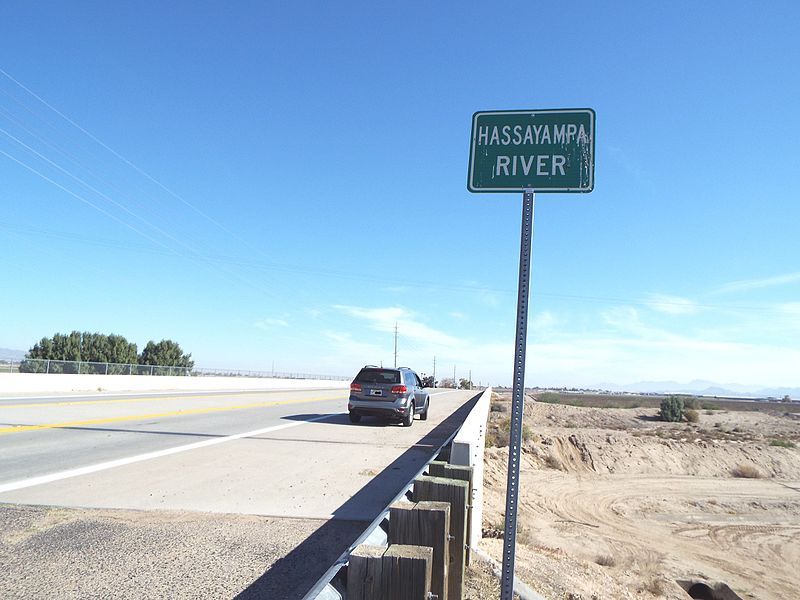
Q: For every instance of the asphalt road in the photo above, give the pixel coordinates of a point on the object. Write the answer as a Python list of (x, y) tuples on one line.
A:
[(273, 486)]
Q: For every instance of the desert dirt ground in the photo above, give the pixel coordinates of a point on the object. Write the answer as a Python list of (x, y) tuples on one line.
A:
[(616, 503)]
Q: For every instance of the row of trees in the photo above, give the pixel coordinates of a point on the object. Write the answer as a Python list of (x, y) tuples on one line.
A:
[(447, 382), (102, 348)]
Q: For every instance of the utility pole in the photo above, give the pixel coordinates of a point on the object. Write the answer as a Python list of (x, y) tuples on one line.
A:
[(470, 379), (395, 344), (434, 371), (455, 383)]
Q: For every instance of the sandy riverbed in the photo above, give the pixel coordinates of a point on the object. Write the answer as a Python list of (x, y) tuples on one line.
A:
[(617, 504)]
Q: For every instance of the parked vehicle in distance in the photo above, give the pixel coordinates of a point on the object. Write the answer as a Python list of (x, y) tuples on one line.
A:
[(395, 394)]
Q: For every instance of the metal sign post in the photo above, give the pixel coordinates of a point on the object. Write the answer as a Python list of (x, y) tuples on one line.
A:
[(527, 151), (518, 399)]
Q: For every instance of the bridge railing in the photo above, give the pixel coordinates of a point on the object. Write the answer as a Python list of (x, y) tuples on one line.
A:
[(464, 447)]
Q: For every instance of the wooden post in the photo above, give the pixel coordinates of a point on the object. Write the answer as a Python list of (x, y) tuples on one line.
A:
[(398, 572), (406, 573), (442, 469), (364, 573), (436, 468), (456, 493), (424, 524)]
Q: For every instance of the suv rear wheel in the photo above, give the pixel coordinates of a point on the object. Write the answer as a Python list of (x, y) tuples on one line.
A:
[(355, 418), (409, 418), (423, 416)]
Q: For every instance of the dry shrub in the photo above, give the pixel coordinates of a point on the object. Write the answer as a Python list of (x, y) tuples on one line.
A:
[(553, 462), (499, 407), (495, 439), (527, 433), (692, 416), (548, 397), (494, 529), (524, 536), (655, 585), (747, 471), (606, 560), (498, 432), (782, 443)]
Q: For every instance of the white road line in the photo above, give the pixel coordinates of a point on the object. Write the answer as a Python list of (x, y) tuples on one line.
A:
[(42, 479)]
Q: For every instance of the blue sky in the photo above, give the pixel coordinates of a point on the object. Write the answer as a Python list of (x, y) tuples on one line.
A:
[(266, 182)]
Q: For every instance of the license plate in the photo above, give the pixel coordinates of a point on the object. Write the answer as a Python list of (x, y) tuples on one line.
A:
[(376, 392)]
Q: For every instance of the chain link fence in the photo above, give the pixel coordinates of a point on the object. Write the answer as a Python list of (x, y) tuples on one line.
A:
[(37, 365)]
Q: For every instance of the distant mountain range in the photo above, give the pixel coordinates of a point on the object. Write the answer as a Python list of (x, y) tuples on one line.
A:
[(702, 387), (10, 354)]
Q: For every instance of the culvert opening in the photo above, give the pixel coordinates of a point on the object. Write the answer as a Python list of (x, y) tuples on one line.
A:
[(701, 590)]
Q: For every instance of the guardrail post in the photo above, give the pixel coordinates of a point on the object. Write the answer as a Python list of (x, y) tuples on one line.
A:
[(424, 524), (406, 572), (462, 473), (396, 573), (364, 572), (456, 493)]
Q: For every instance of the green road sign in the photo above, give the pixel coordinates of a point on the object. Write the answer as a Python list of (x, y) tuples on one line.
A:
[(539, 150)]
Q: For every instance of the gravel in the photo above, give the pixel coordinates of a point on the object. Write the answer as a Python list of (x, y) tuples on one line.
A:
[(51, 552)]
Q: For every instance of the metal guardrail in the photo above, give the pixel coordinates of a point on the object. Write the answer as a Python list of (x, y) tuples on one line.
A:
[(325, 589), (45, 366)]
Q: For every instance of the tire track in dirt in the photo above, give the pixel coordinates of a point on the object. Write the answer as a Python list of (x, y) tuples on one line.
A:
[(633, 525)]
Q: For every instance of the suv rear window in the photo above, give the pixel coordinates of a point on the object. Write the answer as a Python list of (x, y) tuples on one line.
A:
[(378, 376)]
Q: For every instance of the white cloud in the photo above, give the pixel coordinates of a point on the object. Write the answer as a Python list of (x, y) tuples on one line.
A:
[(790, 308), (543, 321), (618, 345), (384, 319), (672, 305), (269, 323), (745, 285), (590, 360)]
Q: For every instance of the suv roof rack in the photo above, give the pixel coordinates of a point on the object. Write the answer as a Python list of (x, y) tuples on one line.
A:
[(371, 367)]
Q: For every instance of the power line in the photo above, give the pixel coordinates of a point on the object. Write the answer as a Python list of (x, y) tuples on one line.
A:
[(128, 225), (129, 163), (85, 201), (98, 192)]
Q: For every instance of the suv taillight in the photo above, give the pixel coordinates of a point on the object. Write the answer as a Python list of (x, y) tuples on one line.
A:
[(399, 389), (355, 387)]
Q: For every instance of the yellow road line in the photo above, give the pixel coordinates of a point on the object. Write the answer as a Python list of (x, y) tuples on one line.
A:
[(142, 399), (189, 411)]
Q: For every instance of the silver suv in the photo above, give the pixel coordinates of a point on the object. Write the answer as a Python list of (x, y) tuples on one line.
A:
[(395, 394)]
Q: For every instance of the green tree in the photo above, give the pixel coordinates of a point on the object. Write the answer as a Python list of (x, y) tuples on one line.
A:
[(672, 409), (66, 349), (165, 353), (464, 384), (427, 381)]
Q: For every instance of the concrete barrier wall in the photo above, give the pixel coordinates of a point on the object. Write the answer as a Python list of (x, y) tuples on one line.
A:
[(39, 383), (467, 450)]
